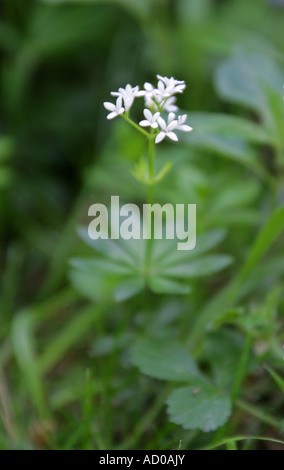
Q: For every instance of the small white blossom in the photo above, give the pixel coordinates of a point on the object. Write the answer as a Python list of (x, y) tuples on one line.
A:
[(181, 124), (149, 90), (128, 94), (154, 103), (116, 109), (170, 86), (151, 119), (170, 106), (167, 128)]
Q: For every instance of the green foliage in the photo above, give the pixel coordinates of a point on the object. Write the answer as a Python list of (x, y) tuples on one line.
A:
[(125, 269), (129, 345), (205, 409)]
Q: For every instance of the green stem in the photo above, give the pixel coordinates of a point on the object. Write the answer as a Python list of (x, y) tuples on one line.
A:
[(240, 373), (151, 169), (136, 126)]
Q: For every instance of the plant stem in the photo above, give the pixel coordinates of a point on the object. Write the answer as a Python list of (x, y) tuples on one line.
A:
[(133, 124), (151, 169), (240, 373)]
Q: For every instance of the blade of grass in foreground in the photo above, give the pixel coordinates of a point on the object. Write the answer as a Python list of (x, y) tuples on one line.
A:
[(234, 440)]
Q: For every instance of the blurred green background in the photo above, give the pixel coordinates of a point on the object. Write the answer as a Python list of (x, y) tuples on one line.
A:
[(58, 153)]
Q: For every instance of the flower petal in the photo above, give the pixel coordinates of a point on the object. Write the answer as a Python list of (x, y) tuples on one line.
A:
[(109, 106), (112, 115), (173, 125), (144, 123), (160, 137), (172, 136), (148, 115), (162, 123), (185, 128)]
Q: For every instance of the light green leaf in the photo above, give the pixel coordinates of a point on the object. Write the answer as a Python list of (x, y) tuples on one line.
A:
[(226, 125), (162, 173), (162, 285), (141, 171), (128, 288), (243, 78), (198, 268), (206, 409), (166, 360)]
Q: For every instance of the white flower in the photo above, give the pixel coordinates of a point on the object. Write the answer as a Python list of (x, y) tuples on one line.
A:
[(128, 94), (170, 106), (181, 124), (167, 128), (170, 86), (116, 109), (149, 90), (151, 119)]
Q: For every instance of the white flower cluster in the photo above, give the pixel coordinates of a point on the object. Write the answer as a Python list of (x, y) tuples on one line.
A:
[(158, 101)]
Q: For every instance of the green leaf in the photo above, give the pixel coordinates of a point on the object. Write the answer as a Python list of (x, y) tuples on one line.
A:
[(166, 254), (126, 258), (243, 78), (162, 173), (104, 265), (166, 360), (267, 236), (198, 268), (141, 171), (163, 285), (222, 352), (226, 125), (276, 377), (129, 288), (206, 409), (228, 296), (24, 350), (228, 143)]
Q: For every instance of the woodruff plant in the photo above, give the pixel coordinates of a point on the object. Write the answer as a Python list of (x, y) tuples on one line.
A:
[(127, 267), (160, 116), (130, 266)]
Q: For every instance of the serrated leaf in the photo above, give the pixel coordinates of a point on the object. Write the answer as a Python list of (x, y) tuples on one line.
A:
[(165, 359), (206, 409)]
